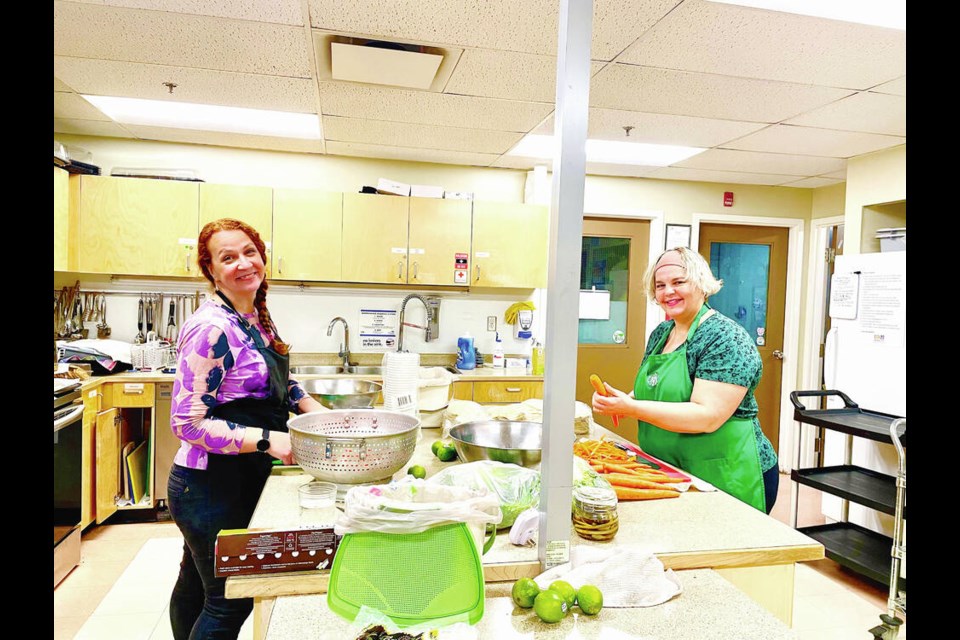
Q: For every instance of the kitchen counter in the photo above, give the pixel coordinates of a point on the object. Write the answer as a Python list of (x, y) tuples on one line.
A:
[(708, 607), (698, 530)]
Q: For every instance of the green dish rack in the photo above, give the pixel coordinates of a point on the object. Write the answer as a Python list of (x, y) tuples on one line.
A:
[(413, 578)]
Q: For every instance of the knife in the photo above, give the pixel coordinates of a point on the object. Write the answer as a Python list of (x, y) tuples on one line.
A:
[(171, 323)]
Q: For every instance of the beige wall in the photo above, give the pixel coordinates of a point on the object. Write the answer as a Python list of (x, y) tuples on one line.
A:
[(829, 201), (876, 178)]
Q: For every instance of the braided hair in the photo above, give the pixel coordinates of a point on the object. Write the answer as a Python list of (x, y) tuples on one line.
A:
[(204, 261)]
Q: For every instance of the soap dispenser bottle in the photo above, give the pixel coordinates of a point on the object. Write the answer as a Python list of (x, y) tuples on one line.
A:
[(498, 359), (466, 353)]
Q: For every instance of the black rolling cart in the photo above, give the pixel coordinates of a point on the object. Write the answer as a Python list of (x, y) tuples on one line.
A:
[(867, 552)]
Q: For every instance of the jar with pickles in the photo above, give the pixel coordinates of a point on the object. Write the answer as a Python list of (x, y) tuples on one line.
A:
[(595, 513)]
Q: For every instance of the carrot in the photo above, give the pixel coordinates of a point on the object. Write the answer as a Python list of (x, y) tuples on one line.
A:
[(659, 477), (623, 480), (602, 390), (627, 493), (617, 468)]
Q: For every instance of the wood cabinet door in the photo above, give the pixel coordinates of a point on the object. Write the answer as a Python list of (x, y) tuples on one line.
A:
[(307, 234), (439, 230), (61, 218), (250, 204), (506, 391), (108, 463), (88, 478), (374, 238), (136, 226), (509, 245)]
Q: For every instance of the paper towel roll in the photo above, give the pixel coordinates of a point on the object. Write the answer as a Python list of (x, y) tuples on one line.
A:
[(401, 374)]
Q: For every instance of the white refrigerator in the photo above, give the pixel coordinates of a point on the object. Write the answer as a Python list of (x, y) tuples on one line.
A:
[(865, 357)]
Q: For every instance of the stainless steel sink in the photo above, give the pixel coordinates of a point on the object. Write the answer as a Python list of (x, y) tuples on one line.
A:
[(364, 370), (316, 370)]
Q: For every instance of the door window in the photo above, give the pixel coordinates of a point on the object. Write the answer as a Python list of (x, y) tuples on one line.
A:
[(605, 266), (744, 269)]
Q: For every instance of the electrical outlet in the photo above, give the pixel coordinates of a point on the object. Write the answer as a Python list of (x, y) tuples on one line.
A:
[(491, 323)]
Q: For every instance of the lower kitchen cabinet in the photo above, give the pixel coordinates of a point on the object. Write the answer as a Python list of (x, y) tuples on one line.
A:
[(498, 391)]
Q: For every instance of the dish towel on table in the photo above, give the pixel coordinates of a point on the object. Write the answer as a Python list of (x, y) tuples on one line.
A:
[(627, 576)]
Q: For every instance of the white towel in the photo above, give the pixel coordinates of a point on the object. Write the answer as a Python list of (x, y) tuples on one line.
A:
[(627, 576)]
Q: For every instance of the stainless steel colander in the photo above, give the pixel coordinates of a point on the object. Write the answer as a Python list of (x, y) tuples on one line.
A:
[(353, 446)]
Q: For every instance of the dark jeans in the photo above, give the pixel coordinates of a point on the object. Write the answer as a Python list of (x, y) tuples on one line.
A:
[(771, 482), (202, 502)]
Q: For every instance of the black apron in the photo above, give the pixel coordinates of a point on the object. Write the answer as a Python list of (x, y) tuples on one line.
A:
[(250, 470)]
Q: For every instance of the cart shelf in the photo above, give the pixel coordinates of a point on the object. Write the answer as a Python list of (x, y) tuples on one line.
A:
[(864, 486), (850, 419), (857, 548)]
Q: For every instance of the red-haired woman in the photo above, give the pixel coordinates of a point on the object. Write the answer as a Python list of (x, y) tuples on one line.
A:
[(231, 399)]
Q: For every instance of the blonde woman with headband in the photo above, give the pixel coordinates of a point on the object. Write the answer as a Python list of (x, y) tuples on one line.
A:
[(693, 395)]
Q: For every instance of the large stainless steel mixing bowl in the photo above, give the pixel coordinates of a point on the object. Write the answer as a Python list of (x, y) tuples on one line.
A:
[(503, 441), (343, 393)]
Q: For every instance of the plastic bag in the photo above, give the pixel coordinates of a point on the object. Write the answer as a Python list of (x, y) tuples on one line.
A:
[(411, 505), (517, 488), (585, 476)]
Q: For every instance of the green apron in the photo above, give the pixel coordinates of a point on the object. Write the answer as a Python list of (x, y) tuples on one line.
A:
[(727, 458)]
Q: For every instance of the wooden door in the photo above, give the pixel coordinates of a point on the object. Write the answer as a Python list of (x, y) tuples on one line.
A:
[(250, 204), (752, 261), (61, 218), (614, 258), (108, 463), (307, 234), (510, 245), (439, 229), (135, 226), (375, 238)]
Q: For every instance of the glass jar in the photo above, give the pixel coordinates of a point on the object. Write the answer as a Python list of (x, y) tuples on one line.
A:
[(595, 513)]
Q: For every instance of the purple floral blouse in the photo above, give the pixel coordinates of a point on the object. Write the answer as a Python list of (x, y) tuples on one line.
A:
[(217, 363)]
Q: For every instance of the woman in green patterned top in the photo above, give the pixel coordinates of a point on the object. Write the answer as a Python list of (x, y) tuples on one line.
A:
[(693, 395)]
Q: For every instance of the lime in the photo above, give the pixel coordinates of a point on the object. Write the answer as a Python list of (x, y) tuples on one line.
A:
[(524, 592), (446, 453), (417, 471), (590, 599), (437, 444), (566, 590), (550, 606)]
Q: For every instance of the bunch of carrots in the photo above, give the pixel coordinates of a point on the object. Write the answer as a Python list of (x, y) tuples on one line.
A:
[(630, 479)]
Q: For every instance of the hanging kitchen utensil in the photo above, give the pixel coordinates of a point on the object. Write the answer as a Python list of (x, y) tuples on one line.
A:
[(171, 321), (150, 304), (103, 329), (139, 338)]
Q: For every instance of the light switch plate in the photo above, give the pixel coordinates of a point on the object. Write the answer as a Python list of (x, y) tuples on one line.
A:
[(491, 323)]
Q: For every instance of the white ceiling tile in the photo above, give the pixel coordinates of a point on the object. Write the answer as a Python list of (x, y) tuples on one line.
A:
[(752, 43), (108, 129), (896, 87), (529, 26), (399, 105), (866, 111), (754, 162), (783, 138), (625, 170), (72, 106), (658, 128), (223, 139), (410, 153), (203, 86), (813, 183), (838, 175), (278, 11), (521, 162), (706, 175), (507, 74), (156, 37), (633, 88), (403, 134), (58, 84)]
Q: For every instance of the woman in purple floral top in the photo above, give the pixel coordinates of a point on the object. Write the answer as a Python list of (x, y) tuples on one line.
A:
[(231, 399)]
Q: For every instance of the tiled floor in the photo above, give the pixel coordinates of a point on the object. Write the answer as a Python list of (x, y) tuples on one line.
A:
[(122, 587)]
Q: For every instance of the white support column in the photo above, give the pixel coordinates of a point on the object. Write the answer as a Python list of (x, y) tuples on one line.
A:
[(563, 279)]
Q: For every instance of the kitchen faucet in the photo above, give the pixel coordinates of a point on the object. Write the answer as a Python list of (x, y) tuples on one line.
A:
[(345, 347), (427, 336)]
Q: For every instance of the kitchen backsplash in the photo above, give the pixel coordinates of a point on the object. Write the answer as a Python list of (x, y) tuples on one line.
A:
[(303, 315)]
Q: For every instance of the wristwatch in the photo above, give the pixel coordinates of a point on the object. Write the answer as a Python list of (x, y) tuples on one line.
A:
[(264, 442)]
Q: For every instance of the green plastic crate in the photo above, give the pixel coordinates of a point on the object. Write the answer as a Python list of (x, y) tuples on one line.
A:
[(413, 578)]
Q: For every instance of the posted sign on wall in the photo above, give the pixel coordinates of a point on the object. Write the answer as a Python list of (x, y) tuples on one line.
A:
[(378, 329)]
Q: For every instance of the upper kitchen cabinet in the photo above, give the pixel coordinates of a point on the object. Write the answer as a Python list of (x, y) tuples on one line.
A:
[(133, 226), (307, 234), (439, 230), (509, 245), (253, 205), (375, 238), (61, 217)]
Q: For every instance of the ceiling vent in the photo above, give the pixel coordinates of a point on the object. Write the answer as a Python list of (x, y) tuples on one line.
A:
[(395, 64)]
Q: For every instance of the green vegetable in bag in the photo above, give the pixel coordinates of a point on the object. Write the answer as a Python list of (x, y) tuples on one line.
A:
[(517, 488)]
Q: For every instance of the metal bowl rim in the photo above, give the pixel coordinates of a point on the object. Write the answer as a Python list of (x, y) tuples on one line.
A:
[(457, 429)]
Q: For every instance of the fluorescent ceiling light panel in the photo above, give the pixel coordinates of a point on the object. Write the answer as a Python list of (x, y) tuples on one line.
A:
[(610, 151), (208, 117), (879, 13)]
